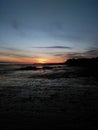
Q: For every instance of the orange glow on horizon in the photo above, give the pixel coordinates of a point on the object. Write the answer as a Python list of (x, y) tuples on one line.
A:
[(42, 61), (32, 61)]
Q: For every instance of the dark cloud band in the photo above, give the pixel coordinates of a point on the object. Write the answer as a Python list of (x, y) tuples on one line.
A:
[(54, 47)]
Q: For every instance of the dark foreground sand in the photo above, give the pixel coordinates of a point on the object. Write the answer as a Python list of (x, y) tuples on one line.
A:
[(66, 99)]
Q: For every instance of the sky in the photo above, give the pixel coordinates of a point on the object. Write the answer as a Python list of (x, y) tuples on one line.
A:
[(48, 31)]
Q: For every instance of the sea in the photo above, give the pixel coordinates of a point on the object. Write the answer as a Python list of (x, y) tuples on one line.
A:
[(59, 96)]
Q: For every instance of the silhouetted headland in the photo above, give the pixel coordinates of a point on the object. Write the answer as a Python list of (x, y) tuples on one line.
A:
[(88, 67), (92, 62)]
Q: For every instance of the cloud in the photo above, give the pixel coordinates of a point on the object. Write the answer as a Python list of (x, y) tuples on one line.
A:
[(54, 47), (76, 55), (15, 55), (15, 24), (11, 50), (86, 54), (60, 55), (70, 55), (15, 52), (92, 51)]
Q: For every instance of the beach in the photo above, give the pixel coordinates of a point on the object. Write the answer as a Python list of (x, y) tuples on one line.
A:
[(57, 97)]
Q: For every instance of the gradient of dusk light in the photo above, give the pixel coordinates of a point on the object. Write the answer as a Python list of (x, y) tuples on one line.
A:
[(48, 31)]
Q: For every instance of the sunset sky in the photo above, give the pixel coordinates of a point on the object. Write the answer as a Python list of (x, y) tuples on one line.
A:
[(48, 31)]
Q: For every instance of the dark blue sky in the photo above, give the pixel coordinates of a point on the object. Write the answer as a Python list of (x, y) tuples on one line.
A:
[(48, 29)]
